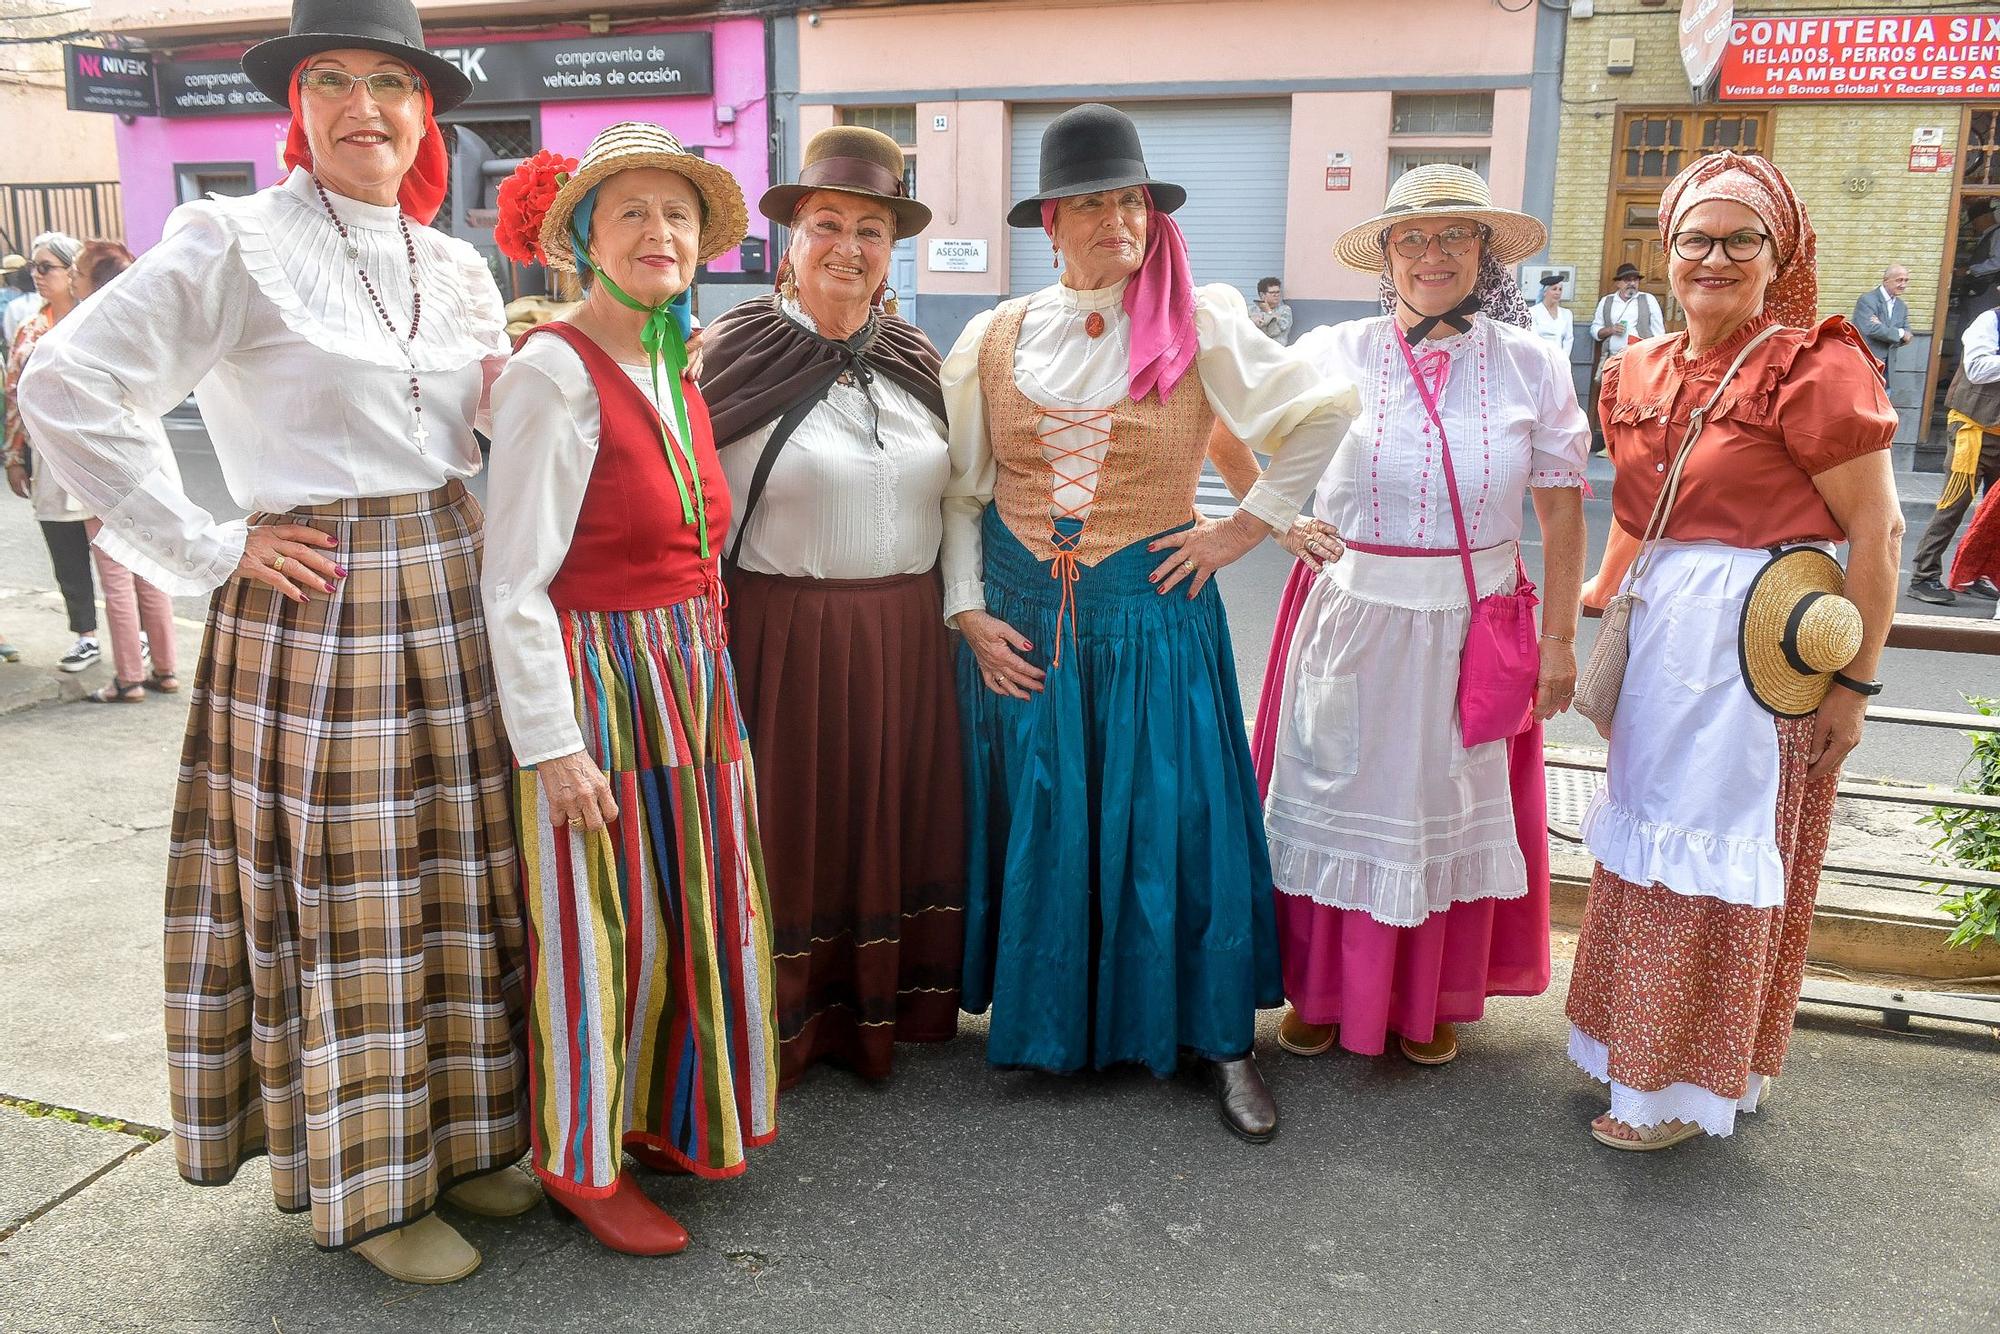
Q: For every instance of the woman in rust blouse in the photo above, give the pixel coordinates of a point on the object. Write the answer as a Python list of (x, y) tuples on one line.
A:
[(1713, 823)]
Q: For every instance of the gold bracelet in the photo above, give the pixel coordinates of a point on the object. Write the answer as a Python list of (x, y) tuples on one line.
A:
[(1558, 638)]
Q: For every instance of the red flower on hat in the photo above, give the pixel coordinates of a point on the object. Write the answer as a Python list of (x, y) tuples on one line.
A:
[(525, 200)]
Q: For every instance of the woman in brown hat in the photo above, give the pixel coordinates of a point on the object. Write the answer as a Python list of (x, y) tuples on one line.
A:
[(1713, 823), (343, 926), (649, 1028), (831, 426)]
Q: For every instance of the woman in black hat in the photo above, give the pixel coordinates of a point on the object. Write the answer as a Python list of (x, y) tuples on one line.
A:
[(831, 423), (344, 937), (1119, 900)]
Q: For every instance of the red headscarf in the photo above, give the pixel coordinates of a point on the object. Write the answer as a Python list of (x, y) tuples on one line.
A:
[(422, 192), (1160, 301), (1793, 296)]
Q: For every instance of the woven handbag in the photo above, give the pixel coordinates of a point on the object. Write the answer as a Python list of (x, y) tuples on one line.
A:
[(1603, 677)]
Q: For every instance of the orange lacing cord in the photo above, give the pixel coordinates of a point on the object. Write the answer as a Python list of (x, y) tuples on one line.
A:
[(1064, 565)]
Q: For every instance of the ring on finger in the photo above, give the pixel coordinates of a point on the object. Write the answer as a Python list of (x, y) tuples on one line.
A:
[(1187, 565), (277, 564)]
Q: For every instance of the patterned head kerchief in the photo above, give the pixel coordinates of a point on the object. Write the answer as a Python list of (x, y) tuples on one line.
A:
[(1499, 297), (1793, 296)]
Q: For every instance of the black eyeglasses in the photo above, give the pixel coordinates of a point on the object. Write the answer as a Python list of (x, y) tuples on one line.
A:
[(44, 267), (1740, 246), (335, 84)]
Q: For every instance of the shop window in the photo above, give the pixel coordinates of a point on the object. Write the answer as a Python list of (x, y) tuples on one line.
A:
[(1441, 113), (1478, 160), (198, 180), (899, 123)]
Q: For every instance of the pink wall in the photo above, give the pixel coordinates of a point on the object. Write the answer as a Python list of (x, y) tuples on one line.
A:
[(149, 148)]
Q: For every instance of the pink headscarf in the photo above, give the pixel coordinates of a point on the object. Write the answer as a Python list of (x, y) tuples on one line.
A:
[(1160, 302), (1793, 296)]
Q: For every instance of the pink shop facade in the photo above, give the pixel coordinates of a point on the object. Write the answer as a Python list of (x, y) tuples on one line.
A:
[(555, 88)]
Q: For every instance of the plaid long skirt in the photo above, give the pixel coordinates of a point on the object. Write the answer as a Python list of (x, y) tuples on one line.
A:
[(344, 940), (651, 1013)]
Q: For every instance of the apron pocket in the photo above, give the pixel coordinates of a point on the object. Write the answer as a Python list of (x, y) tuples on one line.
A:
[(1322, 729), (1699, 646)]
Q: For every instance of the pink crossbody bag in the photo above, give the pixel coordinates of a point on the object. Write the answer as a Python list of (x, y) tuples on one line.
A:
[(1502, 660)]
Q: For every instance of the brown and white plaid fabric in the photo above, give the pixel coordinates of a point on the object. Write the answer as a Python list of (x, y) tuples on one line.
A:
[(343, 928)]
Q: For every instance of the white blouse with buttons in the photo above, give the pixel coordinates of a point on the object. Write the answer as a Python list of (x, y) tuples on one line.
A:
[(1509, 410), (856, 493), (254, 305)]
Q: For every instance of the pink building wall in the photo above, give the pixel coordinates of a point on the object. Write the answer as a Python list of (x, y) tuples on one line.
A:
[(149, 148)]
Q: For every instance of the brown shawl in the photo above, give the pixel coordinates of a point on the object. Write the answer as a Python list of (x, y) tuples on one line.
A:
[(757, 363)]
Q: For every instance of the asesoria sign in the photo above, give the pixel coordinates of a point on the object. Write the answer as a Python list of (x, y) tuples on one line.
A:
[(1847, 57)]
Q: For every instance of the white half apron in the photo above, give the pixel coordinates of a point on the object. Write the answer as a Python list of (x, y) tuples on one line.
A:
[(1374, 804)]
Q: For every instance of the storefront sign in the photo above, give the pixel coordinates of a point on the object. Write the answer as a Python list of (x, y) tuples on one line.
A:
[(1882, 58), (1705, 28), (118, 82), (948, 256), (211, 88), (659, 64)]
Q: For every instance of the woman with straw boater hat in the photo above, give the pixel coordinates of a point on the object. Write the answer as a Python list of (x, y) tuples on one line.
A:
[(1403, 766), (344, 944), (1747, 448), (649, 1026), (831, 425), (1118, 905)]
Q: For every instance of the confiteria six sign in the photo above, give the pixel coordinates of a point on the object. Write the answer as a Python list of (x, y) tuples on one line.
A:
[(1890, 57)]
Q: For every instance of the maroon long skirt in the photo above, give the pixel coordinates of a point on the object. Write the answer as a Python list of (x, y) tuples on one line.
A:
[(846, 685)]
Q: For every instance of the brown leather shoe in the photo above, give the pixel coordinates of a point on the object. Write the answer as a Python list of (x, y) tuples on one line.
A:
[(626, 1221), (1242, 1099), (427, 1251), (508, 1193), (1442, 1049), (1300, 1038)]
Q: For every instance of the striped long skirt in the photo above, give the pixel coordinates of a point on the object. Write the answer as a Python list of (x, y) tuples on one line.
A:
[(344, 943), (651, 1013)]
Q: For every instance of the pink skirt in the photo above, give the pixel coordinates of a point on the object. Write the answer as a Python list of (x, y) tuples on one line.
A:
[(1346, 968)]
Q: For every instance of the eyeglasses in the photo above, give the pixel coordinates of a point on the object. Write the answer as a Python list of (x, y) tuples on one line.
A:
[(1739, 246), (44, 267), (1454, 241), (336, 84)]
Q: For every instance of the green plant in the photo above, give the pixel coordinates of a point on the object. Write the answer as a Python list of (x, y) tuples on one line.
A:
[(1972, 838)]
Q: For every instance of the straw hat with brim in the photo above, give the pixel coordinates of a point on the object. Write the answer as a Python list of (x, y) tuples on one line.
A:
[(12, 264), (388, 26), (1440, 190), (1087, 150), (1797, 631), (854, 160), (633, 144)]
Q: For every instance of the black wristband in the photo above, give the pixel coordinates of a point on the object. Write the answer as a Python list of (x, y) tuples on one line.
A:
[(1869, 688)]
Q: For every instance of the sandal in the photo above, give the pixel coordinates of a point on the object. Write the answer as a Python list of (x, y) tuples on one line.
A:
[(1650, 1138), (164, 682), (118, 692)]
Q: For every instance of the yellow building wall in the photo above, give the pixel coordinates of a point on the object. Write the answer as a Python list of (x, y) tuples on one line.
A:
[(1899, 219)]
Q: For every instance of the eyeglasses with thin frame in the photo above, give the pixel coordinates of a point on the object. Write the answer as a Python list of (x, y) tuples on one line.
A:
[(336, 84), (1454, 241), (1742, 246), (44, 267)]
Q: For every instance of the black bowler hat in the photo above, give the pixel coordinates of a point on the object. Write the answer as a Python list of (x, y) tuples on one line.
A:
[(388, 26), (1087, 149)]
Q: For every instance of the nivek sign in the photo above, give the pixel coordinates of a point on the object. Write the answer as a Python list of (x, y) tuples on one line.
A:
[(117, 82)]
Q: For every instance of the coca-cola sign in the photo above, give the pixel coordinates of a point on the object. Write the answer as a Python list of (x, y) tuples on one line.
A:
[(1705, 28)]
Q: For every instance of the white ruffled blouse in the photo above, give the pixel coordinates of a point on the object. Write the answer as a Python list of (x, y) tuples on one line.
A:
[(254, 305), (1509, 410), (836, 505)]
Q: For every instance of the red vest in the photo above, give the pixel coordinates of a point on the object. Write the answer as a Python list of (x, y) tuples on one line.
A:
[(632, 551)]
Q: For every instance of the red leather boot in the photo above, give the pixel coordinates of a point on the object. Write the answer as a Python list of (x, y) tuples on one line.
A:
[(625, 1220), (655, 1160)]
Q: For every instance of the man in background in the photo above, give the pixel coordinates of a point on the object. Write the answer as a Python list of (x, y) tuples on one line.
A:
[(1884, 318), (1625, 315), (1270, 313)]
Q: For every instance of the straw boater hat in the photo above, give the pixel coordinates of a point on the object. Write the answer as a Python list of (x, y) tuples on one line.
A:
[(1440, 190), (388, 26), (1797, 631), (12, 264), (632, 144), (854, 160), (1089, 149)]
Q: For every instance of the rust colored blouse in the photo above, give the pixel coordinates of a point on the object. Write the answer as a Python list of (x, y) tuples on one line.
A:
[(1806, 400)]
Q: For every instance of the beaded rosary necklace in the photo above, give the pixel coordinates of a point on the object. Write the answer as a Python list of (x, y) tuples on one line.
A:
[(422, 434)]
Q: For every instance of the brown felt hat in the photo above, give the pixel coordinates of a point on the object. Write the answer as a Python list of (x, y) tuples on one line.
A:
[(1797, 631), (854, 160)]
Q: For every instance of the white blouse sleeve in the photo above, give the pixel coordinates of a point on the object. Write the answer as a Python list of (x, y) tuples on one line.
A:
[(1560, 438), (1274, 400), (100, 381), (970, 488), (486, 308), (545, 427)]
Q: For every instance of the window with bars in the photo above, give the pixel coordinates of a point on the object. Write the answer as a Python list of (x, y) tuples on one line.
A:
[(1472, 159), (1979, 159), (1441, 113), (899, 123), (1653, 146)]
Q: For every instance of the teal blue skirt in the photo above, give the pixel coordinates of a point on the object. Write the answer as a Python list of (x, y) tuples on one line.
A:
[(1118, 902)]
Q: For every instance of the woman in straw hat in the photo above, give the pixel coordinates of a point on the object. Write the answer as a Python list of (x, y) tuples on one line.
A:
[(1727, 740), (344, 942), (831, 423), (1409, 839), (649, 1026), (1118, 907)]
